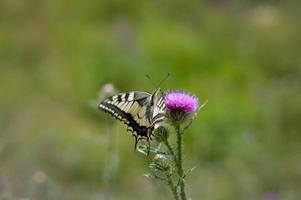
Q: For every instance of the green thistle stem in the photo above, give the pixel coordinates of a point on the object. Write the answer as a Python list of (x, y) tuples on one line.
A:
[(180, 163), (172, 187)]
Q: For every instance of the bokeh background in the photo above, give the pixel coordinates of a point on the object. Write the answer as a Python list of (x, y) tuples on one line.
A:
[(241, 56)]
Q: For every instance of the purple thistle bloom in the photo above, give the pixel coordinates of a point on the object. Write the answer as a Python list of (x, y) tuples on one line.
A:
[(180, 106), (181, 101)]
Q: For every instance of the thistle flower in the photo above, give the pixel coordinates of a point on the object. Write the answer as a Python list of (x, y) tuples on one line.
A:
[(107, 89), (180, 106)]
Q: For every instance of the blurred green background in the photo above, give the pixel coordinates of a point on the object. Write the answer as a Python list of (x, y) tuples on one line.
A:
[(241, 56)]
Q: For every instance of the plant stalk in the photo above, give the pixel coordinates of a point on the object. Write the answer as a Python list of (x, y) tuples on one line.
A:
[(172, 187), (180, 163)]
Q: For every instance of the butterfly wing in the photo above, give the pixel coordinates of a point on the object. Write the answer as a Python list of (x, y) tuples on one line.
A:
[(158, 107), (132, 108)]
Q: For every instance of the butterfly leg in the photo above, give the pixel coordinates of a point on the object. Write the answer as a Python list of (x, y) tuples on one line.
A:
[(148, 149), (136, 142)]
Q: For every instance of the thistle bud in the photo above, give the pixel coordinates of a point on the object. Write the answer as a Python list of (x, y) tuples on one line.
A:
[(161, 134), (160, 163)]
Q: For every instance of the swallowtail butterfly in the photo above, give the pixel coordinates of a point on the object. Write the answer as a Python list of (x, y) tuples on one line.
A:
[(140, 111)]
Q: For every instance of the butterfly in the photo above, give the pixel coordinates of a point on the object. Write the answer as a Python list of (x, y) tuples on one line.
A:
[(140, 111)]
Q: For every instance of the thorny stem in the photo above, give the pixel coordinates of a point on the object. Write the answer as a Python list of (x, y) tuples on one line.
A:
[(179, 162), (172, 187)]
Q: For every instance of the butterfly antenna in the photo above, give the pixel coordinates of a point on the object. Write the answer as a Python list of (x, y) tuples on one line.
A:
[(149, 78), (164, 79)]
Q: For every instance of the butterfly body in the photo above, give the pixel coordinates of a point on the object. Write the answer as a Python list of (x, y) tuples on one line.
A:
[(140, 111)]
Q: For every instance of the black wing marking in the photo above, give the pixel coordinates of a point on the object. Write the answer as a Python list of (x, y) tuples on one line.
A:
[(138, 130), (140, 111), (130, 108)]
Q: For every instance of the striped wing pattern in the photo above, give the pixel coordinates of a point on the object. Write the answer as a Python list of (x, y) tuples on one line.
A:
[(140, 111)]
